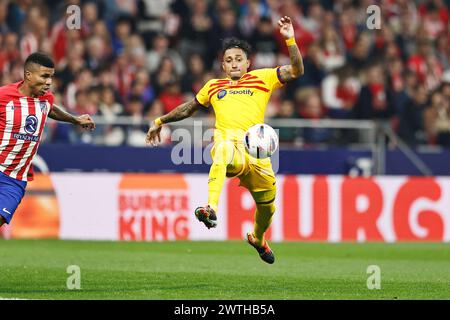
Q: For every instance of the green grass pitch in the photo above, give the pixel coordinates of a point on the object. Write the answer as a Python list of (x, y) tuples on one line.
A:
[(37, 269)]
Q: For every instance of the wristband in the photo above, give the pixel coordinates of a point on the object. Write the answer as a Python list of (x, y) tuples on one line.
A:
[(158, 121), (290, 41)]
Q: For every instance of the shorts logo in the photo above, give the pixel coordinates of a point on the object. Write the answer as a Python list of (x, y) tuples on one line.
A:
[(222, 93), (31, 124)]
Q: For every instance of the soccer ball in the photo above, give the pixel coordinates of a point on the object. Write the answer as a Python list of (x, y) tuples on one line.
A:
[(261, 141)]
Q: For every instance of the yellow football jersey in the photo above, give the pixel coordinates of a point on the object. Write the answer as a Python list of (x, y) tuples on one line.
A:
[(240, 104)]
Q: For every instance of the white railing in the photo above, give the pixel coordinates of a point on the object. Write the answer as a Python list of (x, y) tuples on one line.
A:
[(375, 134)]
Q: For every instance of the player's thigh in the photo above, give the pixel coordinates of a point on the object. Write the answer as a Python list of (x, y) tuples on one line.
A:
[(11, 194), (259, 177), (8, 204), (223, 152)]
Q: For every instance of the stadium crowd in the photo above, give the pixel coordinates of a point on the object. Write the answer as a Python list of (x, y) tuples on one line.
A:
[(142, 58)]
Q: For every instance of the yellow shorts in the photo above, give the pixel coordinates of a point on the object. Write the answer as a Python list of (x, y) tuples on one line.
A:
[(254, 174)]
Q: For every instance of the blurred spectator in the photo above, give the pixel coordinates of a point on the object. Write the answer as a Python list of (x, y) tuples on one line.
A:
[(435, 18), (35, 31), (96, 50), (226, 27), (171, 97), (122, 73), (83, 80), (156, 109), (340, 91), (313, 20), (287, 111), (417, 61), (348, 30), (332, 49), (196, 31), (310, 107), (385, 47), (314, 70), (142, 87), (4, 28), (71, 65), (160, 50), (89, 12), (359, 57), (443, 50), (83, 103), (136, 132), (122, 30), (155, 17), (192, 80), (164, 75), (437, 119), (109, 109), (251, 13), (375, 98), (264, 44), (411, 126)]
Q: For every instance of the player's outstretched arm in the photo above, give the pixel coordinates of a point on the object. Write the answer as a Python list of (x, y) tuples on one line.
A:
[(295, 69), (85, 121), (181, 112)]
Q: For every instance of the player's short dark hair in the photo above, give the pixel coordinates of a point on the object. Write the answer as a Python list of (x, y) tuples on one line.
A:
[(236, 43), (39, 58)]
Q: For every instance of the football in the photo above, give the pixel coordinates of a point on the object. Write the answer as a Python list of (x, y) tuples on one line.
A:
[(261, 141)]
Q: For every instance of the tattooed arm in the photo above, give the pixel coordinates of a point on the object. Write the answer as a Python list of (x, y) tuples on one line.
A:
[(295, 69), (181, 112)]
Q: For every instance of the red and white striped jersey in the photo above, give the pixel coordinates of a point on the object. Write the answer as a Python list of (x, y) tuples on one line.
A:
[(22, 121)]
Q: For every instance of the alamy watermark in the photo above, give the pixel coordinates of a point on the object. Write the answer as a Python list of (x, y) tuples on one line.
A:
[(73, 21), (374, 280), (74, 280), (195, 146), (374, 20)]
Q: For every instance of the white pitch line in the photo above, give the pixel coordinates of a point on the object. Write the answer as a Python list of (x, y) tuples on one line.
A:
[(1, 298)]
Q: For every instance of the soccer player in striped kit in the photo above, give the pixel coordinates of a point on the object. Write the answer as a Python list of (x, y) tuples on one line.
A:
[(24, 108)]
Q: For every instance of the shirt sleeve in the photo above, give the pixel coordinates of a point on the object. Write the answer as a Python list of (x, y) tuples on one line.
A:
[(271, 77), (202, 96)]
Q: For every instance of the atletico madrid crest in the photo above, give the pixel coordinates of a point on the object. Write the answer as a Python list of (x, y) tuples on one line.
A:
[(43, 105)]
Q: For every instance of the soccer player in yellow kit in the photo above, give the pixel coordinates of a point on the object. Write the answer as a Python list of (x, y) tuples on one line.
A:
[(239, 102)]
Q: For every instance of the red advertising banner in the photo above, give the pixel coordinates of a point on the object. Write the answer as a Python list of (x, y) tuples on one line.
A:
[(160, 207)]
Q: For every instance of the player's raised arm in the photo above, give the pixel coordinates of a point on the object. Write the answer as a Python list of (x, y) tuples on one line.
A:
[(181, 112), (295, 69), (85, 121)]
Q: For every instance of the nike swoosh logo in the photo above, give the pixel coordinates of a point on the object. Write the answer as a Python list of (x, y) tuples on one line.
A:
[(4, 210)]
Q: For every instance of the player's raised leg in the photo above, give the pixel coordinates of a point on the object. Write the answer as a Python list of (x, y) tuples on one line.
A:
[(225, 161)]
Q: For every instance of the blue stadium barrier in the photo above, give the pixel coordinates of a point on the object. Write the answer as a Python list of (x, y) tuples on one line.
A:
[(334, 160)]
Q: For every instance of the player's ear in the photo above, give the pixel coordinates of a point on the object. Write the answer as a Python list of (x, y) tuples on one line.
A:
[(223, 66), (248, 63), (27, 74)]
